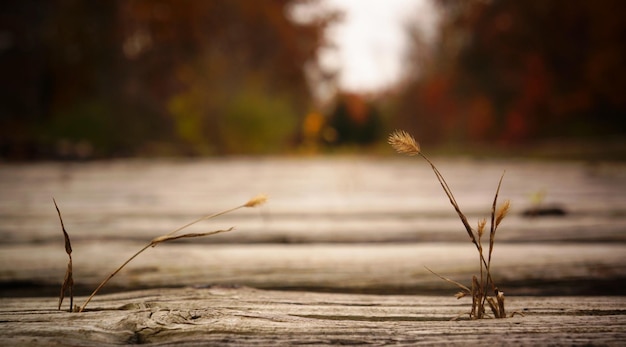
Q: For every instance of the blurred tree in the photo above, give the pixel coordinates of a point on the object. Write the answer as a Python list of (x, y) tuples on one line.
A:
[(354, 120), (520, 70), (128, 77), (242, 63), (45, 63)]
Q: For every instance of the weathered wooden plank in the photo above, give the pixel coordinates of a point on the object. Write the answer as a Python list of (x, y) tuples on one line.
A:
[(236, 316), (323, 199), (366, 268)]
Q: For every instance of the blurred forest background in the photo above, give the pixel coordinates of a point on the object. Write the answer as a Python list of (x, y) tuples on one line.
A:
[(112, 78)]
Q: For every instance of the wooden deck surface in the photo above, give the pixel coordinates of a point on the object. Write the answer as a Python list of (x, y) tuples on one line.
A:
[(337, 257), (325, 303), (222, 316), (519, 269)]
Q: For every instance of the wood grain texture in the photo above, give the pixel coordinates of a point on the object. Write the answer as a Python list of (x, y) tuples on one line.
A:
[(519, 269), (225, 316)]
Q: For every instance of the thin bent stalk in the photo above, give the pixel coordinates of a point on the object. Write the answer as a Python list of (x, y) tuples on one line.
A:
[(152, 243), (492, 236), (258, 200), (493, 226), (106, 280), (448, 192), (209, 216), (480, 263), (464, 288)]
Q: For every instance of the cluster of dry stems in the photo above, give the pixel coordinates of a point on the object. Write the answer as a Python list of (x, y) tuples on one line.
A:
[(404, 143)]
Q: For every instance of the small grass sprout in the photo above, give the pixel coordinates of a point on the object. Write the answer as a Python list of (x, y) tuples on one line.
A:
[(68, 282), (404, 143)]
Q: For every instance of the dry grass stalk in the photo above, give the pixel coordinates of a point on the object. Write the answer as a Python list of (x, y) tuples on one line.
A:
[(465, 291), (478, 310), (68, 280), (254, 202), (404, 143)]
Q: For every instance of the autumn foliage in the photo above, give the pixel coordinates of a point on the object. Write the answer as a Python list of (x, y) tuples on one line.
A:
[(111, 78), (108, 78), (515, 71)]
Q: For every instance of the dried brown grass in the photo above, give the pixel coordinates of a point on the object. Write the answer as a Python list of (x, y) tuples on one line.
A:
[(68, 280), (404, 143), (171, 236)]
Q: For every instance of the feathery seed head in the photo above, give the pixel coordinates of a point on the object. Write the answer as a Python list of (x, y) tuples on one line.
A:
[(481, 227), (403, 143), (256, 201), (460, 294), (502, 211)]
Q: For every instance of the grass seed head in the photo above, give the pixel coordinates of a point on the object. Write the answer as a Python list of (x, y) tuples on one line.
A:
[(481, 227), (403, 143), (460, 294), (502, 211), (256, 201)]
